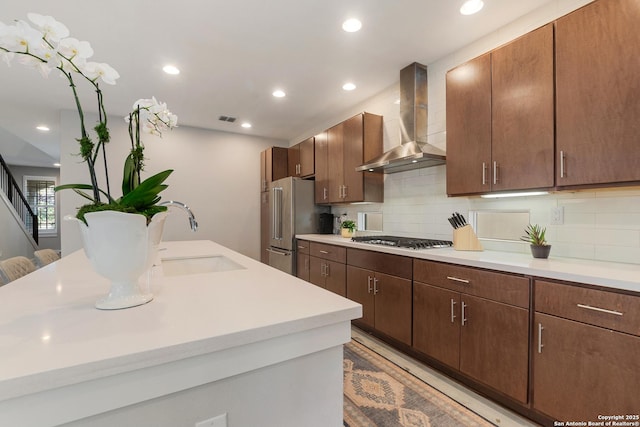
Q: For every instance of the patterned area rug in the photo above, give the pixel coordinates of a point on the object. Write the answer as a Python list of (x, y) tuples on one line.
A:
[(378, 393)]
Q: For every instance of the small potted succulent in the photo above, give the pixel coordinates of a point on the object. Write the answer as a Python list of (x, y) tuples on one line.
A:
[(347, 228), (535, 235)]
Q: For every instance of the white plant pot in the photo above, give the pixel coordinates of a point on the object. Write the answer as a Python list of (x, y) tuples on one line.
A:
[(121, 247)]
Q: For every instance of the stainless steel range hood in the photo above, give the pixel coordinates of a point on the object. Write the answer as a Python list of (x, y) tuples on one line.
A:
[(414, 152)]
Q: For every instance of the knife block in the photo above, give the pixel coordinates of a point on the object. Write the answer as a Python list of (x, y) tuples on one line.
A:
[(464, 239)]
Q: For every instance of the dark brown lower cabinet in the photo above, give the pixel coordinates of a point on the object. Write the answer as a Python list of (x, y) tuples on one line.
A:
[(582, 371), (436, 329), (302, 259), (328, 274), (494, 345), (385, 299), (474, 321)]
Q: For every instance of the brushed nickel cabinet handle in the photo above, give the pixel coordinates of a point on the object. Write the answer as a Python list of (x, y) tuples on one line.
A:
[(324, 193), (323, 252), (540, 345), (327, 270), (369, 288), (464, 318), (453, 316), (484, 173), (456, 279), (375, 286), (601, 310), (561, 164), (344, 193), (495, 172)]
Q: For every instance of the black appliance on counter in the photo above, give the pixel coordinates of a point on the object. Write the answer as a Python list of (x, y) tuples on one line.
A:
[(325, 225), (403, 242)]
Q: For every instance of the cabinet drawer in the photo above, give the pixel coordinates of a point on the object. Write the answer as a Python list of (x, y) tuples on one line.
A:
[(601, 308), (302, 246), (501, 287), (330, 252), (394, 265)]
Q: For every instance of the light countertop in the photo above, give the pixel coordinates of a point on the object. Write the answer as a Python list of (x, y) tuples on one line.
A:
[(52, 336), (607, 274)]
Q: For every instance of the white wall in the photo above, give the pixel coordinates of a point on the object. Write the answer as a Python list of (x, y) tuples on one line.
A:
[(216, 173), (598, 224), (14, 239)]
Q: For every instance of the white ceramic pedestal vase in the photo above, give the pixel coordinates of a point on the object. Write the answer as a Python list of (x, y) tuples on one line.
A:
[(121, 247)]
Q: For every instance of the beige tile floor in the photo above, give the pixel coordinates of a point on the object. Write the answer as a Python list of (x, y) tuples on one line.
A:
[(487, 409)]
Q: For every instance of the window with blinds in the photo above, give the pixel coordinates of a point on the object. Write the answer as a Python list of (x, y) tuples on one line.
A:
[(39, 193)]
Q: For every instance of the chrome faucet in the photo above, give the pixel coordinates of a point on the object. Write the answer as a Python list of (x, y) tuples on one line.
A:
[(192, 219)]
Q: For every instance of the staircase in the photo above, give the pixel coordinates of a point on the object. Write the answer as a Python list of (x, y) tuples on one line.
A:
[(12, 192)]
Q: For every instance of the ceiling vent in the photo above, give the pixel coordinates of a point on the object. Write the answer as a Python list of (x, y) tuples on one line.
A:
[(227, 119)]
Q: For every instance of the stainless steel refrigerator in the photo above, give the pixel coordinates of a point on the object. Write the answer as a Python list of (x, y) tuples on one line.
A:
[(292, 211)]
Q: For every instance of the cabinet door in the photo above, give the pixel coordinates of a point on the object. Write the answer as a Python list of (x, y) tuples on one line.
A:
[(392, 311), (316, 271), (322, 174), (494, 345), (335, 163), (436, 323), (294, 160), (582, 371), (597, 90), (302, 266), (307, 158), (360, 290), (336, 277), (468, 105), (522, 136), (353, 144)]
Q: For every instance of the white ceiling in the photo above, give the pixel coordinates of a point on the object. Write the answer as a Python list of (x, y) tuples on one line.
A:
[(233, 54)]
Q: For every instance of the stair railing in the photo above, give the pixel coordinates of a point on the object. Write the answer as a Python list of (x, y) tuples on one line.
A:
[(12, 190)]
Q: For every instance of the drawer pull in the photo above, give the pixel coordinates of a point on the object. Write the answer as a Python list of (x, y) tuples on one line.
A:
[(456, 279), (324, 252), (601, 310)]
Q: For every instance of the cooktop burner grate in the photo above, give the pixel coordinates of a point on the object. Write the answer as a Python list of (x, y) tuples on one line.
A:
[(403, 242)]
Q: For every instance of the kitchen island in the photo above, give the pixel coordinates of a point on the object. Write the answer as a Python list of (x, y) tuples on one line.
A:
[(236, 338)]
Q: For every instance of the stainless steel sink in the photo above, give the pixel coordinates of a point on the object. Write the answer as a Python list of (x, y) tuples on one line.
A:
[(183, 266)]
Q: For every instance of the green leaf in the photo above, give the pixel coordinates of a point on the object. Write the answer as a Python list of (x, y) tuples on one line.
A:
[(146, 194), (128, 176), (76, 187)]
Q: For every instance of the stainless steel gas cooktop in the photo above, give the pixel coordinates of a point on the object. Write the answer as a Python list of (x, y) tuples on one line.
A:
[(403, 242)]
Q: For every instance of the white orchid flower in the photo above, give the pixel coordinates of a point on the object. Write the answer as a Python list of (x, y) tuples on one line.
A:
[(20, 37), (51, 29), (93, 70), (72, 48)]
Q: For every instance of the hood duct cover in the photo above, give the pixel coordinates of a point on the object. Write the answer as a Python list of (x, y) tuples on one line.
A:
[(414, 152)]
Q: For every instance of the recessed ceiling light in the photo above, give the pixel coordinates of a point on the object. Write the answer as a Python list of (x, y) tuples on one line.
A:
[(348, 86), (43, 128), (279, 93), (351, 25), (246, 125), (471, 6), (171, 69), (57, 165)]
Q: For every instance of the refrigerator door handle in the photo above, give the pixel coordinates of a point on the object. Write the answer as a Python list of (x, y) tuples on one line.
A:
[(276, 227), (273, 251)]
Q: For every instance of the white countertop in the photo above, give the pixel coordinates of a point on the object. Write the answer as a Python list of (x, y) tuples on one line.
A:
[(606, 274), (51, 335)]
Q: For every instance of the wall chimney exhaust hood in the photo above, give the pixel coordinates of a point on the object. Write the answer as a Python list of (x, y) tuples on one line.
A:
[(414, 152)]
